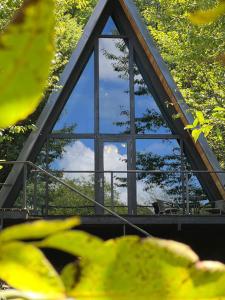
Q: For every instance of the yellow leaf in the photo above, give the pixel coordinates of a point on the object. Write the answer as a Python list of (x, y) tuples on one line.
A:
[(37, 230), (25, 268), (77, 243), (196, 133), (26, 50)]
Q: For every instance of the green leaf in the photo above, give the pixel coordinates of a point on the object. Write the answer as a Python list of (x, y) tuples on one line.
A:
[(70, 275), (37, 230), (196, 133), (77, 243), (207, 16), (149, 269), (219, 115), (26, 50), (25, 268), (196, 122), (207, 129), (219, 134), (200, 117), (218, 108)]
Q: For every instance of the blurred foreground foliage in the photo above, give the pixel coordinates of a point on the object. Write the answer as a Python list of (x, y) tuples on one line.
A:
[(25, 45), (122, 268)]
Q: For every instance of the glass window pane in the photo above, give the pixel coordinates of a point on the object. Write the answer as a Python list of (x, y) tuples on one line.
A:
[(158, 154), (162, 155), (148, 118), (115, 185), (78, 113), (110, 28), (73, 161), (114, 86), (71, 155)]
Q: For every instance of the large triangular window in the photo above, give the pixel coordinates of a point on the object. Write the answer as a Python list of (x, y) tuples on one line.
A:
[(112, 134)]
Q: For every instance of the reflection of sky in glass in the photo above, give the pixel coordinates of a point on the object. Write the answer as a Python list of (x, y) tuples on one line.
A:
[(79, 109), (114, 85), (148, 116), (110, 28), (159, 147)]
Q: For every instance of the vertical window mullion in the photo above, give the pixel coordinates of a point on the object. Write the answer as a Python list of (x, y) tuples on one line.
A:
[(96, 88), (131, 80), (132, 199)]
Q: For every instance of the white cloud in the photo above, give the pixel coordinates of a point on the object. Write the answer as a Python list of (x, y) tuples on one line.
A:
[(113, 160), (77, 157)]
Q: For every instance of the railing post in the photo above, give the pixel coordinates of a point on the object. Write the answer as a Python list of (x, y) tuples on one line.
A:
[(35, 192), (46, 195), (112, 192), (187, 193), (25, 186)]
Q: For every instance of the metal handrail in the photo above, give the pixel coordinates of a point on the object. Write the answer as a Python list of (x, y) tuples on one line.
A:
[(140, 171), (81, 194), (186, 173)]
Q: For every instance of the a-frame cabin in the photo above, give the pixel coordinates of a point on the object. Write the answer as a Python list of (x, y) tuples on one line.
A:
[(110, 133)]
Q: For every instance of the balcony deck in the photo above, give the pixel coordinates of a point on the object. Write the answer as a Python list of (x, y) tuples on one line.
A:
[(169, 219)]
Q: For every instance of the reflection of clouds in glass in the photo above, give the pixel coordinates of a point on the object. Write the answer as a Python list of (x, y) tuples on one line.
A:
[(106, 69), (150, 196), (80, 157), (76, 157), (113, 159)]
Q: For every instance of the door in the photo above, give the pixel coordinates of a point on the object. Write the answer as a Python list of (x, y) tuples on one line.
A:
[(116, 186)]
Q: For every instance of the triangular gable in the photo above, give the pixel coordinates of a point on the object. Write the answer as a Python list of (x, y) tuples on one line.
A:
[(156, 74)]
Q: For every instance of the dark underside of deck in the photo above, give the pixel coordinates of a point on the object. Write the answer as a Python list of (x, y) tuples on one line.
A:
[(205, 234)]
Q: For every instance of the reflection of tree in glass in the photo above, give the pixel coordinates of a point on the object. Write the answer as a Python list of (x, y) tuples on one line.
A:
[(171, 183), (151, 120), (54, 148), (120, 60)]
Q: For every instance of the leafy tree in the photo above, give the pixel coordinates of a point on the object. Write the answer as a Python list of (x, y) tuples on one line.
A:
[(190, 52)]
